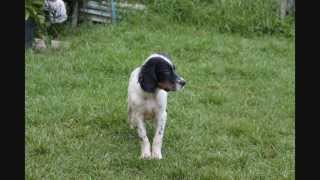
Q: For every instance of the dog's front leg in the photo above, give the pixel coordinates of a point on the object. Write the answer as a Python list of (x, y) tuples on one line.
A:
[(161, 119), (144, 141)]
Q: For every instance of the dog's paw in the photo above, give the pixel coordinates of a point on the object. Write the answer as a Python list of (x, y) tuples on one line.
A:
[(156, 155), (145, 155)]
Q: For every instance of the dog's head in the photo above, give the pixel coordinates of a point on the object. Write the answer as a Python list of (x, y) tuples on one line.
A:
[(159, 72)]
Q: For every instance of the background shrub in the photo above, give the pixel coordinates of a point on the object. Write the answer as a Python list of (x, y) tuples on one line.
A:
[(33, 12)]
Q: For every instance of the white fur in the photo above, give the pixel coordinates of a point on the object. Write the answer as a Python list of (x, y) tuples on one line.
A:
[(158, 55), (142, 106)]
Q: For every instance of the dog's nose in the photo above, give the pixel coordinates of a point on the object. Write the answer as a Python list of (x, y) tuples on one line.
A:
[(182, 82)]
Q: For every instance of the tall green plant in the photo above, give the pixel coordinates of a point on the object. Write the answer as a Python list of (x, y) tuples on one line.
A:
[(237, 16), (33, 12)]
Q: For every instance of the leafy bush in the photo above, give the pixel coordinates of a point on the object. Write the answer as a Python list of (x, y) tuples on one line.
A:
[(33, 12)]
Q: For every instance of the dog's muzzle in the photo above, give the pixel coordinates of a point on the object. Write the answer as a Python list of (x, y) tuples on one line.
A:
[(180, 83)]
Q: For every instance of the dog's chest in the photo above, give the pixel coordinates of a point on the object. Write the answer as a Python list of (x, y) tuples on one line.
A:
[(150, 108)]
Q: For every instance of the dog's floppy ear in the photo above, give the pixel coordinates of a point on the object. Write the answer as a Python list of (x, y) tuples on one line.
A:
[(147, 76)]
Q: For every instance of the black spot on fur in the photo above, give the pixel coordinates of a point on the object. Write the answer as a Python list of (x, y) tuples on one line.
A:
[(140, 138), (161, 130)]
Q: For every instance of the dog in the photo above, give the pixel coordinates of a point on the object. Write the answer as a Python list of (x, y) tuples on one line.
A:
[(148, 88)]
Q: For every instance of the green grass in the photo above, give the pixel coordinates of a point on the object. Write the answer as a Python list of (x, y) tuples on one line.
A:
[(245, 17), (233, 120)]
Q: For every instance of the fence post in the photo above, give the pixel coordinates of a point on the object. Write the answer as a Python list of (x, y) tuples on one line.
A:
[(291, 5), (113, 11), (75, 14), (283, 8)]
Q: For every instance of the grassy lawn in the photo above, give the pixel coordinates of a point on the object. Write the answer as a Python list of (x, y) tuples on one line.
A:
[(233, 120)]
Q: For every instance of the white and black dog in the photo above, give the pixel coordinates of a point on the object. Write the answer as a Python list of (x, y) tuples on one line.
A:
[(147, 99)]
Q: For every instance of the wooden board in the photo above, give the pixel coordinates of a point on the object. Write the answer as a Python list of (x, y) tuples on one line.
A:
[(96, 12)]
